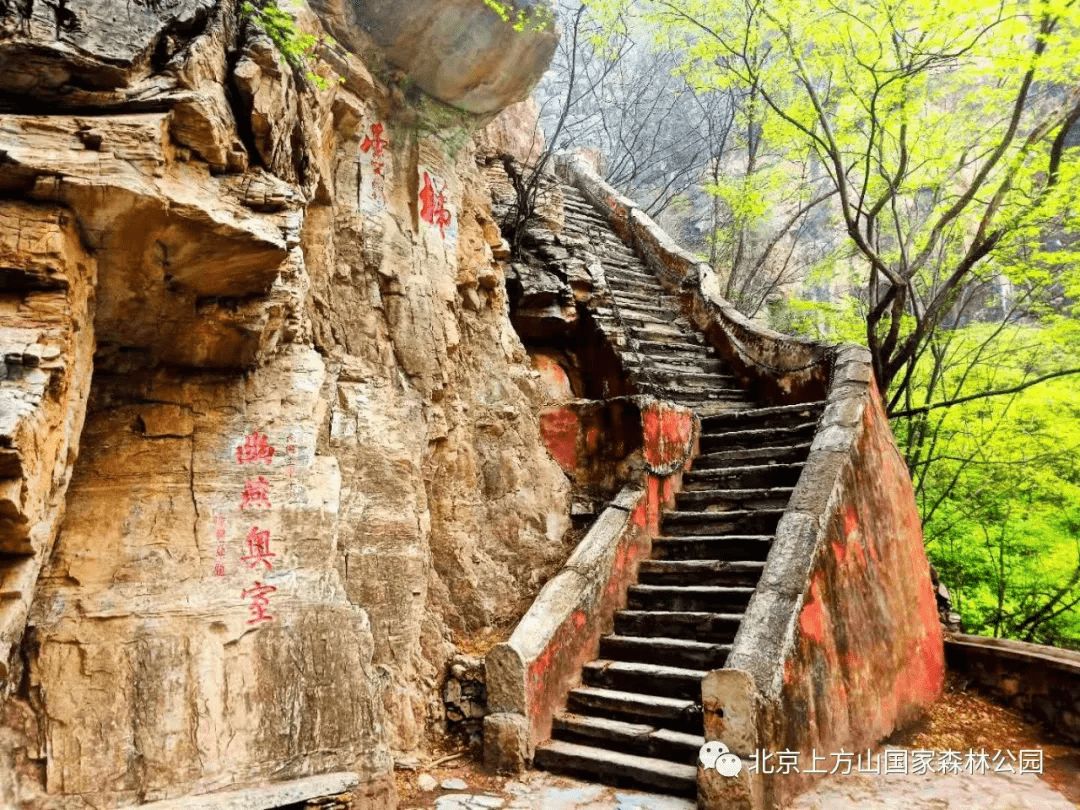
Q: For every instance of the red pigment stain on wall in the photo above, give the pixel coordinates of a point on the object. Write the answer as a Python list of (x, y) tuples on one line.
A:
[(666, 434), (851, 521), (556, 382), (652, 503), (560, 427), (812, 615)]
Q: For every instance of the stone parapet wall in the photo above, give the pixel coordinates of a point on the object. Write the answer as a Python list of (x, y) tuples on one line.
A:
[(530, 674), (1041, 681), (840, 644)]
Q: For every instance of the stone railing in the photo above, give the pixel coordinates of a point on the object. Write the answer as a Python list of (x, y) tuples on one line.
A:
[(1041, 681), (840, 644), (529, 675)]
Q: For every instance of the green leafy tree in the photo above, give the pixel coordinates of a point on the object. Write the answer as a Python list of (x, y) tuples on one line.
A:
[(940, 129)]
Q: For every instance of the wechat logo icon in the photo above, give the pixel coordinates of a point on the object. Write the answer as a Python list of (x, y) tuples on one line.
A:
[(715, 754)]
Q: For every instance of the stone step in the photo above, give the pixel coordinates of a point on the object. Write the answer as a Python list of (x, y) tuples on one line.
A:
[(763, 417), (675, 713), (654, 331), (746, 475), (701, 572), (665, 300), (711, 598), (712, 547), (644, 678), (615, 254), (634, 315), (675, 652), (640, 739), (743, 521), (619, 286), (666, 313), (724, 386), (693, 625), (692, 395), (660, 349), (692, 367), (581, 223), (790, 453), (629, 275), (575, 211), (756, 437), (613, 767), (728, 500), (579, 203)]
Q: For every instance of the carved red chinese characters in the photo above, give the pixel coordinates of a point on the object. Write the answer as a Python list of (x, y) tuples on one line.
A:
[(258, 548), (433, 208), (256, 493), (255, 448), (259, 595)]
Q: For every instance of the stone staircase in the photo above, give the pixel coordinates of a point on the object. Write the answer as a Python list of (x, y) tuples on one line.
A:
[(662, 353), (636, 719)]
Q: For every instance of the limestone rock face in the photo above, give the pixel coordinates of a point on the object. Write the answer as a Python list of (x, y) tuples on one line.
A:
[(459, 51), (269, 444), (47, 344)]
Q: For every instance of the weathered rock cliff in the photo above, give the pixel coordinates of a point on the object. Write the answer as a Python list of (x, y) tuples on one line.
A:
[(311, 457)]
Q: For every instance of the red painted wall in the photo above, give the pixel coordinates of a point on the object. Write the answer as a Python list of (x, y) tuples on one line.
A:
[(869, 656)]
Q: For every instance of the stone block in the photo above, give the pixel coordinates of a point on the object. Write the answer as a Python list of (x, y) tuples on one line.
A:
[(507, 743)]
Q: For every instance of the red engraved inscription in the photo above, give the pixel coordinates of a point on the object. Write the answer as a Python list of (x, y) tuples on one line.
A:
[(255, 447), (259, 595), (256, 493), (433, 205), (258, 548), (375, 143)]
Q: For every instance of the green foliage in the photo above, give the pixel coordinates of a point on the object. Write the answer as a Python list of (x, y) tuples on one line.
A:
[(524, 21), (936, 124), (297, 48), (998, 479)]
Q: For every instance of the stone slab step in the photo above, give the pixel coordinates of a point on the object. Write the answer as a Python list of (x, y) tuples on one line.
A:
[(790, 453), (645, 678), (704, 385), (712, 547), (693, 366), (627, 274), (724, 500), (763, 417), (743, 476), (741, 521), (635, 315), (676, 713), (575, 211), (613, 767), (693, 348), (645, 283), (694, 625), (640, 739), (665, 300), (701, 393), (653, 307), (676, 652), (756, 437), (712, 598), (614, 255), (650, 331), (700, 572)]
